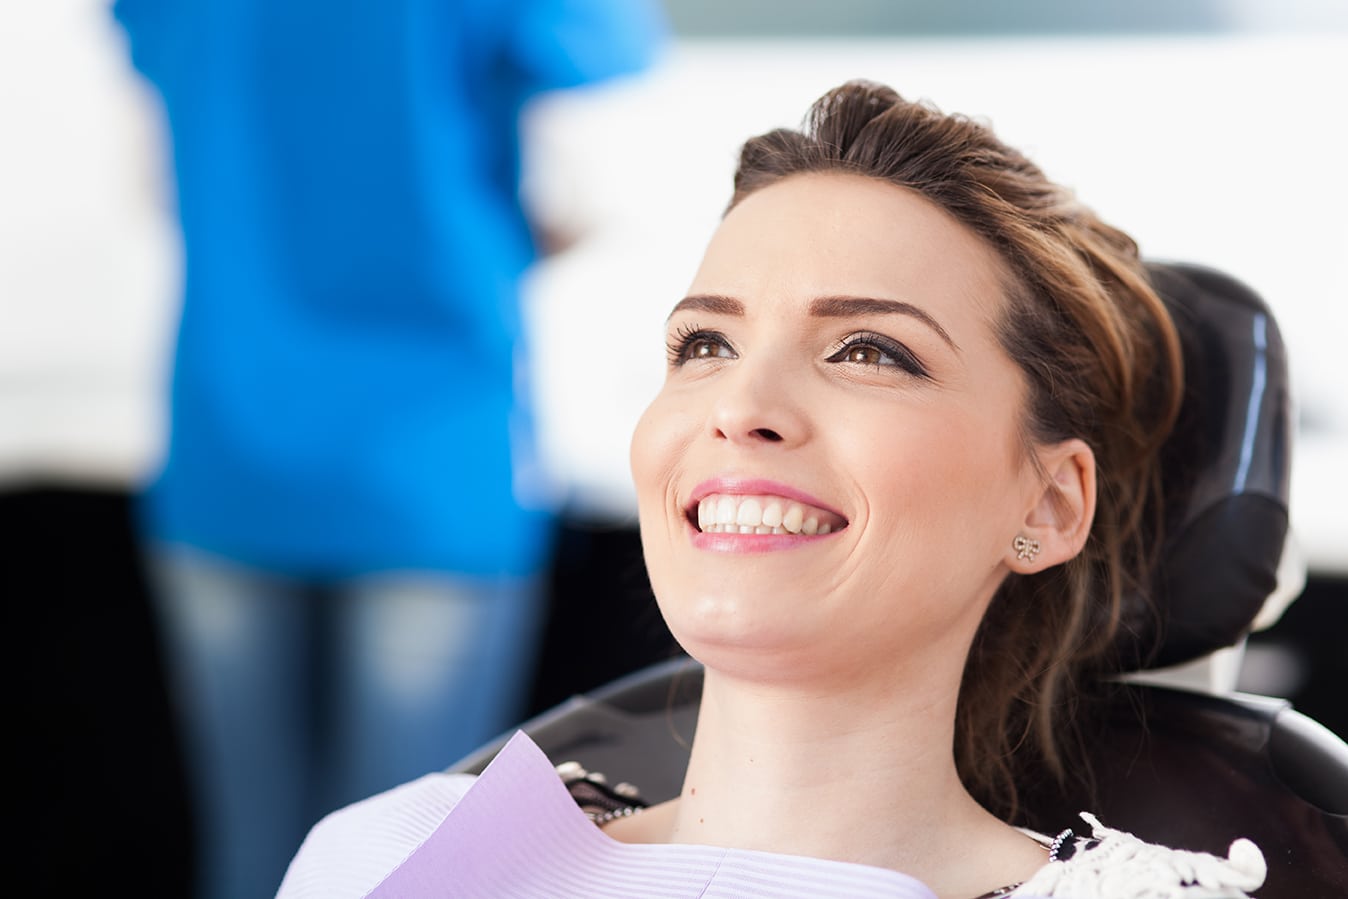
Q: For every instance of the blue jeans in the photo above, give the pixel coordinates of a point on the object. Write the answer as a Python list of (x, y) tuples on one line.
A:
[(297, 699)]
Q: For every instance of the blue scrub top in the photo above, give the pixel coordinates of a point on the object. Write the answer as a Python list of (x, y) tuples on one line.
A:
[(347, 394)]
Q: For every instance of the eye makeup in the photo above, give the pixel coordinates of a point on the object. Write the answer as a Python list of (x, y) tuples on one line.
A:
[(878, 351), (691, 342)]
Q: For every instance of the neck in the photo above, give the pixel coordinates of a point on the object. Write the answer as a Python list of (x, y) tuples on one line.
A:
[(866, 776)]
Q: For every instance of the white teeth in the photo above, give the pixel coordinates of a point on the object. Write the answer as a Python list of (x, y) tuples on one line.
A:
[(742, 529), (751, 513), (729, 514)]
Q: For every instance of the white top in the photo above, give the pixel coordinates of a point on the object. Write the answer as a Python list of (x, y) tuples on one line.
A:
[(516, 832)]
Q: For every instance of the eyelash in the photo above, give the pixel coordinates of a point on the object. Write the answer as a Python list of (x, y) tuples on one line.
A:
[(902, 356), (687, 336)]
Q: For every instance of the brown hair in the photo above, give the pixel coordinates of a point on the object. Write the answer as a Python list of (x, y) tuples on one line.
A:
[(1102, 363)]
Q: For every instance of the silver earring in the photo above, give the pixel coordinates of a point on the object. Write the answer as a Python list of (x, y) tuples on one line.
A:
[(1025, 548)]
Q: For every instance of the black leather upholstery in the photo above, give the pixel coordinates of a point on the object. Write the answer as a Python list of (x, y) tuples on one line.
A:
[(1197, 771), (1225, 469)]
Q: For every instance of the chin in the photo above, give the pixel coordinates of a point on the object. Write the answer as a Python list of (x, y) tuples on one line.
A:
[(726, 630)]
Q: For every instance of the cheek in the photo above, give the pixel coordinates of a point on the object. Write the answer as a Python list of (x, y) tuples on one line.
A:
[(652, 451), (945, 494), (659, 442), (933, 557)]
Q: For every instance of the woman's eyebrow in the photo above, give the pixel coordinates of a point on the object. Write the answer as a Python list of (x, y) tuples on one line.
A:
[(841, 307), (709, 302)]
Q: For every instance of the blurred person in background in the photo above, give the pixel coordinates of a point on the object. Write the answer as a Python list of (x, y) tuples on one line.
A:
[(350, 526), (87, 262)]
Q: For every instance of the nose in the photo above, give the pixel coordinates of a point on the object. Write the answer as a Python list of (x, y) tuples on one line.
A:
[(755, 406)]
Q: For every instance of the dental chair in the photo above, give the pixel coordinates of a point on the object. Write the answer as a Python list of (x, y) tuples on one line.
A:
[(1187, 768)]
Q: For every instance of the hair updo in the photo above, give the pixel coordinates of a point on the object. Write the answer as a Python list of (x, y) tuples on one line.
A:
[(1102, 363)]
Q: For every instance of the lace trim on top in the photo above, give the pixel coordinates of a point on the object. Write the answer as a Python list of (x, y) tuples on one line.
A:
[(1114, 864), (600, 802)]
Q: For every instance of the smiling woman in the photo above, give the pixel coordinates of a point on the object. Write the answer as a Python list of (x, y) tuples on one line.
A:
[(850, 376), (896, 486)]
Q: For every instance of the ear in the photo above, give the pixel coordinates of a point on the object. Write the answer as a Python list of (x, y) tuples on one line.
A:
[(1060, 514)]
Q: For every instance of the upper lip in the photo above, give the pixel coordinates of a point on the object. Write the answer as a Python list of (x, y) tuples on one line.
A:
[(749, 486)]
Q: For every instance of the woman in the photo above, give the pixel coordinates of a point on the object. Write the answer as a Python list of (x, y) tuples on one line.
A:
[(891, 495)]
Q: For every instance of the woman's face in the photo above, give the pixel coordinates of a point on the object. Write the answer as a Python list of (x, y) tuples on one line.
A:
[(832, 474)]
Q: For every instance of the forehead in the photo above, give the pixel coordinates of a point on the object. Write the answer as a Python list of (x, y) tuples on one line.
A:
[(839, 234)]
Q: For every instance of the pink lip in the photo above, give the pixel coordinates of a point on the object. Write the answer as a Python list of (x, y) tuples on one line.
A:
[(754, 543)]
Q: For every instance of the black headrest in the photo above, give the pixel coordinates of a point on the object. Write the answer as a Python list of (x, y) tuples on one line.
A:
[(1225, 473)]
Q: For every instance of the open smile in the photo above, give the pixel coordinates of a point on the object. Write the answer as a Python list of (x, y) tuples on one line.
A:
[(760, 514)]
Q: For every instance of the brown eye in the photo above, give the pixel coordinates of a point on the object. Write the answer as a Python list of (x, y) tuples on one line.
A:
[(705, 349), (880, 352), (693, 345)]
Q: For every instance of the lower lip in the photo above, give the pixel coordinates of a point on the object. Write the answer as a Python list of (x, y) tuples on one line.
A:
[(755, 543)]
